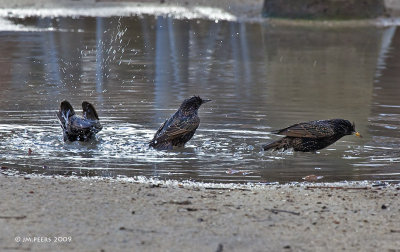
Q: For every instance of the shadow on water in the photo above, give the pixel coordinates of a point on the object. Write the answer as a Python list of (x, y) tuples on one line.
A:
[(136, 71)]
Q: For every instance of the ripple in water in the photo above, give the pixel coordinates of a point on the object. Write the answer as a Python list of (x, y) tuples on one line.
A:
[(137, 71)]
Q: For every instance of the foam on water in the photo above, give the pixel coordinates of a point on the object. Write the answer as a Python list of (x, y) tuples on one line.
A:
[(204, 185)]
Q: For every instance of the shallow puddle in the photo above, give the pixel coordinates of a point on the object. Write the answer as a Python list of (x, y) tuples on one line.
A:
[(137, 71)]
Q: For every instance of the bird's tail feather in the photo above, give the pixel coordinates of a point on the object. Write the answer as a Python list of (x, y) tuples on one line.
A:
[(160, 145), (277, 145)]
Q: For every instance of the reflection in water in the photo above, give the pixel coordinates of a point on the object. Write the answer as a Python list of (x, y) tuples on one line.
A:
[(384, 120), (99, 55), (137, 71)]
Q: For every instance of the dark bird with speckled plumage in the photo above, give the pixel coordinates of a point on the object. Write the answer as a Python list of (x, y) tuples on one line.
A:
[(312, 136), (180, 127), (76, 127)]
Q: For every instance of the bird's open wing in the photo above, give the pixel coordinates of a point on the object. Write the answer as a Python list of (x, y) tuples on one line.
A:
[(89, 112), (66, 111), (313, 129), (175, 127)]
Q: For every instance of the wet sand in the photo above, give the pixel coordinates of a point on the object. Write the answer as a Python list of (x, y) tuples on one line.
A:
[(100, 214)]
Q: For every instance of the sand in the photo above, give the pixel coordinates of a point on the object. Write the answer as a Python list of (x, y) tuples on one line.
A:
[(103, 214)]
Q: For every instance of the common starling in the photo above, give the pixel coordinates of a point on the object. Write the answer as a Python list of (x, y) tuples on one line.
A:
[(76, 127), (180, 127), (312, 136)]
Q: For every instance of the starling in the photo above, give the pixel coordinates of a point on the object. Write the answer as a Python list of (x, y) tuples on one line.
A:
[(76, 127), (180, 127), (312, 136)]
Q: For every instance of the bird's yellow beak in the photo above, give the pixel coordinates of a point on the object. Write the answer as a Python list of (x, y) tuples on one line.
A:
[(358, 134)]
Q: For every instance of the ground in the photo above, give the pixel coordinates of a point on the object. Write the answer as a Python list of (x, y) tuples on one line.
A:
[(99, 214)]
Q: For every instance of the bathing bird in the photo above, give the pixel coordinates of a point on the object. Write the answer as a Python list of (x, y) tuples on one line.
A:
[(180, 127), (76, 127), (313, 135)]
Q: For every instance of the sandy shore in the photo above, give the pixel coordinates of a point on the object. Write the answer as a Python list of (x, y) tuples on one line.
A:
[(125, 215)]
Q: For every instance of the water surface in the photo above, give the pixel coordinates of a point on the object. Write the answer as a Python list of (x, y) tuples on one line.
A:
[(137, 71)]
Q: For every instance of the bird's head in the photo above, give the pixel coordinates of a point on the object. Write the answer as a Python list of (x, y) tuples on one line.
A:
[(193, 103), (353, 130), (348, 128)]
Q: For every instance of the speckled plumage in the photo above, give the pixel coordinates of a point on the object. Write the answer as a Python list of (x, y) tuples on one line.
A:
[(180, 127), (76, 127), (312, 136)]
